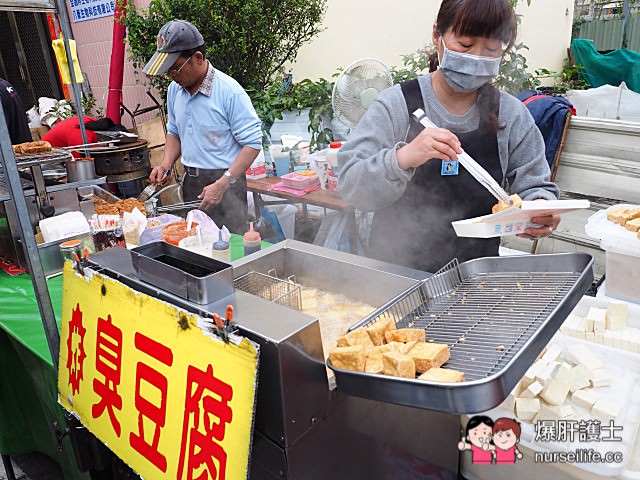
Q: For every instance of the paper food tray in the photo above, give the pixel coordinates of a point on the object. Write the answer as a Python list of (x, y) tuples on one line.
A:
[(514, 220)]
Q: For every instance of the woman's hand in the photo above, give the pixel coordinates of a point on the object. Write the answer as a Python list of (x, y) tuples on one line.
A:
[(430, 143), (548, 224)]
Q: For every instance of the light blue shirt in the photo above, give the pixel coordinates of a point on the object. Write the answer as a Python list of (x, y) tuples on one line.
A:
[(214, 124)]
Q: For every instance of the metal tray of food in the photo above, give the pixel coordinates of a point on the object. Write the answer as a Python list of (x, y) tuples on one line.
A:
[(496, 314), (95, 193), (188, 275)]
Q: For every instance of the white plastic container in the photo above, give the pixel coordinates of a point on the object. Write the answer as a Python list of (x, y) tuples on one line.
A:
[(258, 168), (201, 246), (63, 226), (332, 153), (622, 256)]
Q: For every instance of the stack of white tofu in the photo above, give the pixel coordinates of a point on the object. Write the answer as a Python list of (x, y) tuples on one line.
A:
[(559, 380), (605, 326)]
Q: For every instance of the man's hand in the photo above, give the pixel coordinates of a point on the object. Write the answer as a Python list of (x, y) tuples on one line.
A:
[(158, 176), (430, 143), (211, 195)]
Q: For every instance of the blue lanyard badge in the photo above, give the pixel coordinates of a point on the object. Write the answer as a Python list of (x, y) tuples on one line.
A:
[(449, 168)]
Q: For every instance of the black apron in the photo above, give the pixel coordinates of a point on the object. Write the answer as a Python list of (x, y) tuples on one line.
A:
[(416, 230)]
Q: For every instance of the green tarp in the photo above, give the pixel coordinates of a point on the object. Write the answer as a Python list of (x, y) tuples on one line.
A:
[(610, 68)]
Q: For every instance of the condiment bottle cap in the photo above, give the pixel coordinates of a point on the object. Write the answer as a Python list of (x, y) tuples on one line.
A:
[(251, 235), (220, 244), (70, 243), (335, 145)]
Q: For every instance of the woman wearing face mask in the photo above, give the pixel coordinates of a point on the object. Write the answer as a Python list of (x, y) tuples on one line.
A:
[(405, 174)]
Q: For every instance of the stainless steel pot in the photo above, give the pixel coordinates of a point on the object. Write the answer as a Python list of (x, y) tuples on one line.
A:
[(80, 169)]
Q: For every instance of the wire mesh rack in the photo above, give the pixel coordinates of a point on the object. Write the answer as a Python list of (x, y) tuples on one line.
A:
[(496, 314), (268, 286), (54, 156), (484, 318)]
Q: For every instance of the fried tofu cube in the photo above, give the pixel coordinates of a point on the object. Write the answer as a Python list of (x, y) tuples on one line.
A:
[(442, 375), (502, 205), (405, 335), (405, 348), (342, 342), (633, 225), (629, 214), (349, 358), (377, 330), (374, 365), (398, 365), (429, 355), (359, 337), (614, 213)]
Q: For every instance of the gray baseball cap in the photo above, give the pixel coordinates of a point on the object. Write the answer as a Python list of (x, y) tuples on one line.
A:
[(174, 37)]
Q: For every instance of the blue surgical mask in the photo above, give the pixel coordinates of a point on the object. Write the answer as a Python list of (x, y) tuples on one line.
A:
[(465, 72)]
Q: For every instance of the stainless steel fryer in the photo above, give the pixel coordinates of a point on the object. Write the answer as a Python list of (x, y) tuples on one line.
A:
[(495, 314)]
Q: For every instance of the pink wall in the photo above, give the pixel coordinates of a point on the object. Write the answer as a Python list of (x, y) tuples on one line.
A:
[(93, 39)]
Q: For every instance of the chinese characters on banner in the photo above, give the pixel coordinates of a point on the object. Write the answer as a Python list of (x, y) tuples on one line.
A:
[(82, 10), (171, 402)]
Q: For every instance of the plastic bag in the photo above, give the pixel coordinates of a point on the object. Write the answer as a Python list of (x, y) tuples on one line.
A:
[(334, 232), (133, 224), (153, 232), (207, 226)]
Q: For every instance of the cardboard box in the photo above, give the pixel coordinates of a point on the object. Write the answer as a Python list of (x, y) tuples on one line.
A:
[(152, 132)]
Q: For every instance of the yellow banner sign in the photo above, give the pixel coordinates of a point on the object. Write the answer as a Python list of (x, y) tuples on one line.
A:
[(171, 400)]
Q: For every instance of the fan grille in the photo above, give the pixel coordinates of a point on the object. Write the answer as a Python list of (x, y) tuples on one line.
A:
[(352, 90)]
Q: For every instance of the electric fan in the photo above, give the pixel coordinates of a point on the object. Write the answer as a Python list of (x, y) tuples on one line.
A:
[(357, 87)]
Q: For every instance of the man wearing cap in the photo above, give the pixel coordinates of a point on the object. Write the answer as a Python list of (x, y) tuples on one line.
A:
[(211, 123)]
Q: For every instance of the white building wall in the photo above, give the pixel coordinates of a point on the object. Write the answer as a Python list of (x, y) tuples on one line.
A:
[(388, 29)]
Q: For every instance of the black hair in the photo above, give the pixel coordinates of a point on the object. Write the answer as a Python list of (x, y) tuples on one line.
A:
[(479, 18), (188, 53), (475, 421), (104, 125)]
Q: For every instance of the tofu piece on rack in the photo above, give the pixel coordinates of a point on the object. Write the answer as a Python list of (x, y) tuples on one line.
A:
[(349, 358), (585, 398), (359, 336), (376, 330), (617, 315), (527, 408), (429, 355), (557, 390), (405, 335), (581, 354), (606, 409), (447, 375), (398, 365)]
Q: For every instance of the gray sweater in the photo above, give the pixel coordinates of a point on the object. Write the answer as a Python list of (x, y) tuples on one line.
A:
[(370, 178)]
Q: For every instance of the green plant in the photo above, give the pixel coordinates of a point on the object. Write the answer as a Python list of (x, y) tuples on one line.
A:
[(314, 95), (88, 106), (248, 39), (513, 76), (413, 64), (569, 78)]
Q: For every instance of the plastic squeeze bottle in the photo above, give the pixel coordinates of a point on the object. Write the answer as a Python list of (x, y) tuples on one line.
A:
[(220, 250), (251, 240)]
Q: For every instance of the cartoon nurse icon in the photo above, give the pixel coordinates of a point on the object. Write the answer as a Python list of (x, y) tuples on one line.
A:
[(477, 439), (506, 434)]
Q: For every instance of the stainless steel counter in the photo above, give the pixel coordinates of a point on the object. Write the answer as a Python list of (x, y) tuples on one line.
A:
[(303, 429)]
